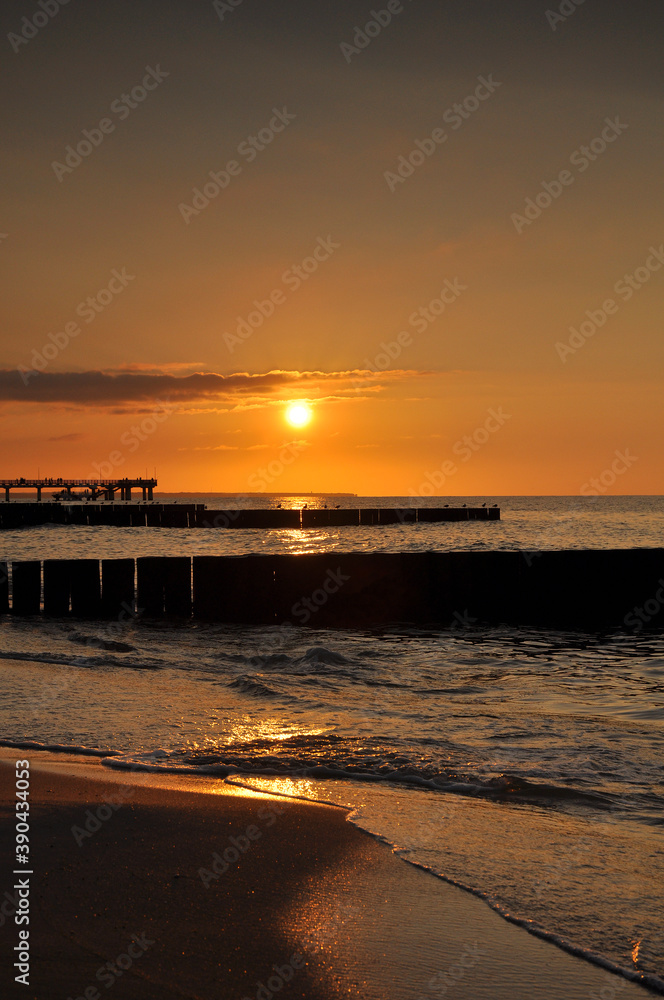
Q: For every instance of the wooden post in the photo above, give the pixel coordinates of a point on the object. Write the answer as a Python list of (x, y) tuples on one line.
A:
[(164, 586), (4, 588), (57, 586), (117, 588), (235, 589), (85, 587), (26, 588)]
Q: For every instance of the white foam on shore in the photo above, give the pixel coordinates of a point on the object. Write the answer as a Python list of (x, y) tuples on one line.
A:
[(355, 816), (59, 748), (117, 760)]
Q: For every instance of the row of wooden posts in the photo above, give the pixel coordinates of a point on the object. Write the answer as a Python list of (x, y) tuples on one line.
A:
[(451, 589), (20, 515)]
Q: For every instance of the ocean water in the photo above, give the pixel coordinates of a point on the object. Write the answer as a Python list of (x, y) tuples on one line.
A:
[(524, 765), (528, 524)]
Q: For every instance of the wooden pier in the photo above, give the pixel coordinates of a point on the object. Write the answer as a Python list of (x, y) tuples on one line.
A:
[(93, 488)]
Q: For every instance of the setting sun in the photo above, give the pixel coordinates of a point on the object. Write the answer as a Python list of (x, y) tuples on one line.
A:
[(298, 414)]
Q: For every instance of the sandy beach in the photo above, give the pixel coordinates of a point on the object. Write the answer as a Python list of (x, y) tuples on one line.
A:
[(162, 886)]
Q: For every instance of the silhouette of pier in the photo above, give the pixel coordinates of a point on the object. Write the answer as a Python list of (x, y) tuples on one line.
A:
[(94, 489)]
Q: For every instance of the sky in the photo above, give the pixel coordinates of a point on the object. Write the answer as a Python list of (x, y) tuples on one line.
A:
[(438, 225)]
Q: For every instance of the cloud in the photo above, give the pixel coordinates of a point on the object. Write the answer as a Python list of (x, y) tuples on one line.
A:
[(213, 447), (67, 437), (127, 391)]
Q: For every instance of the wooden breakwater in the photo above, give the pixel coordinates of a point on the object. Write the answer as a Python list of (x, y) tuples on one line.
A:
[(156, 515), (571, 589)]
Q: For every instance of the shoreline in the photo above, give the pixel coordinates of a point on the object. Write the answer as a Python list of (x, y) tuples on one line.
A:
[(305, 882)]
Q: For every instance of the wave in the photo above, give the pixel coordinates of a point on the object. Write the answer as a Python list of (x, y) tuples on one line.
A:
[(63, 660), (250, 686), (60, 748), (226, 763), (93, 640), (647, 979), (336, 757)]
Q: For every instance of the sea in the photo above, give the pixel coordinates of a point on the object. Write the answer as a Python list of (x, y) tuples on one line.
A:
[(524, 765)]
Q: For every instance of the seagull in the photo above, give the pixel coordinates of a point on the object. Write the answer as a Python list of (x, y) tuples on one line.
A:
[(484, 505), (338, 506), (495, 505), (447, 505)]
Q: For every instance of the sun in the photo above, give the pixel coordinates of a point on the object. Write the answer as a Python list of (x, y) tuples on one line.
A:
[(298, 414)]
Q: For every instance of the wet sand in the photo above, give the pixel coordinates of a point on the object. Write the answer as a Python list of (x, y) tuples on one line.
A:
[(161, 886)]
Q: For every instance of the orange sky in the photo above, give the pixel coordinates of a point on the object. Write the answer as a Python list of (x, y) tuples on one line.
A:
[(426, 319)]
